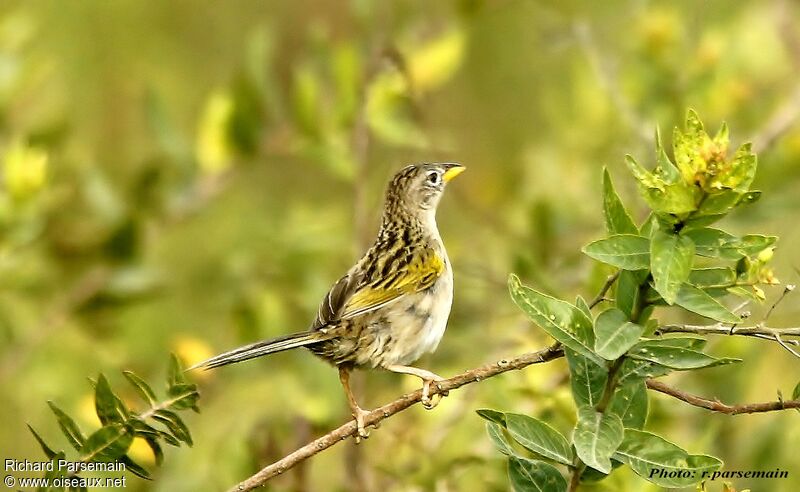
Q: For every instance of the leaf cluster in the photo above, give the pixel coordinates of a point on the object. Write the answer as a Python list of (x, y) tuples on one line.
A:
[(158, 422), (673, 258)]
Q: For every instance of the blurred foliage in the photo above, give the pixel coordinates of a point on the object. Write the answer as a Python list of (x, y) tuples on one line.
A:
[(183, 177)]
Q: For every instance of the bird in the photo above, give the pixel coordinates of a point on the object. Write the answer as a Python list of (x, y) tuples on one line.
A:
[(393, 305)]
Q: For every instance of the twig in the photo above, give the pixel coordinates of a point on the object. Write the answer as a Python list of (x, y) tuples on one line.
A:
[(718, 406), (601, 296), (721, 329), (786, 290), (386, 411), (758, 331)]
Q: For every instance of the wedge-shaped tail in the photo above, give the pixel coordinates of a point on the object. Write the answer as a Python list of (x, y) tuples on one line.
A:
[(264, 347)]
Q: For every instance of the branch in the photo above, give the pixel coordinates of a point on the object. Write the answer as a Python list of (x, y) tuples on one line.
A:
[(718, 406), (603, 290), (758, 331), (349, 429)]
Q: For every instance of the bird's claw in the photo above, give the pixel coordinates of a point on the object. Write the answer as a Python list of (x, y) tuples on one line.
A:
[(428, 402), (362, 433)]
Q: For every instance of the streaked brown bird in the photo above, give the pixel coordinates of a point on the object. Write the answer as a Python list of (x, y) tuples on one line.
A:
[(392, 305)]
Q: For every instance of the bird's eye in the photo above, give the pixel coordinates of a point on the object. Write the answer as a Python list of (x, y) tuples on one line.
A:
[(434, 178)]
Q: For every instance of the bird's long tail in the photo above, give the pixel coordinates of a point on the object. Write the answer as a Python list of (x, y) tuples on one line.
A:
[(263, 347)]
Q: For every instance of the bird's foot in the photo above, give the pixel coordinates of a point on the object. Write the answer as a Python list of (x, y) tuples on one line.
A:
[(428, 378), (427, 401), (360, 415)]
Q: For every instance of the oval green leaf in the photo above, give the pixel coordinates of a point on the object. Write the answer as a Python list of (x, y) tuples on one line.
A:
[(539, 437), (625, 251), (527, 475), (596, 437), (614, 334)]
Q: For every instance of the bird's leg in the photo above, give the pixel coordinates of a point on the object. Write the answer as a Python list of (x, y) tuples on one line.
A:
[(427, 377), (358, 412)]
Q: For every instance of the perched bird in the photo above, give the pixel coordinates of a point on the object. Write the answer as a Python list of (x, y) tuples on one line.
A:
[(390, 307)]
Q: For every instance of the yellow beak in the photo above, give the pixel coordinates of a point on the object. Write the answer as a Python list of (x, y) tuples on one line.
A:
[(451, 171)]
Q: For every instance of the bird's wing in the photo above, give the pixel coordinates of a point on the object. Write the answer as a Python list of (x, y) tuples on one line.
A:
[(357, 293)]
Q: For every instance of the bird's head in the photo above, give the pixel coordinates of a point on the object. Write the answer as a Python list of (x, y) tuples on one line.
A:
[(416, 189)]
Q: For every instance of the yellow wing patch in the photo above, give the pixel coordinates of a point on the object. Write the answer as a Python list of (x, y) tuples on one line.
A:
[(418, 275)]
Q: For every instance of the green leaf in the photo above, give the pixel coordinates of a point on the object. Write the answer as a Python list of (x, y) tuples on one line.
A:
[(497, 437), (742, 170), (690, 343), (625, 251), (645, 178), (749, 197), (697, 222), (665, 168), (539, 438), (649, 225), (680, 359), (135, 468), (68, 427), (712, 277), (142, 388), (753, 244), (722, 138), (45, 448), (713, 243), (618, 220), (695, 300), (561, 320), (627, 293), (653, 458), (718, 204), (109, 408), (596, 437), (687, 147), (182, 396), (664, 198), (739, 291), (492, 416), (677, 198), (630, 403), (527, 475), (796, 392), (176, 374), (587, 379), (581, 304), (108, 443), (614, 334), (55, 473), (175, 425), (636, 370), (670, 262)]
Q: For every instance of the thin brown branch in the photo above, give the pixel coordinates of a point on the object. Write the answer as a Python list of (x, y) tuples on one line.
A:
[(718, 406), (601, 296), (786, 291), (398, 405), (758, 331)]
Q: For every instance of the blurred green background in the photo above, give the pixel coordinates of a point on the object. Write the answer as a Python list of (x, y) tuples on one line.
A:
[(190, 176)]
